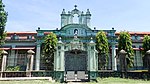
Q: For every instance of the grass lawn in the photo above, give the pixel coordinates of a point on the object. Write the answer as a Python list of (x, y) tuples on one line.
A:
[(100, 81), (27, 82), (120, 81)]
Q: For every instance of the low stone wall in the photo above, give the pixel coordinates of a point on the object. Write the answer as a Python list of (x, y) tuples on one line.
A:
[(25, 74)]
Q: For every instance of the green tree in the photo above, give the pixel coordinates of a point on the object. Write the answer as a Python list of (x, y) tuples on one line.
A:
[(125, 43), (50, 44), (102, 48), (146, 43), (146, 47), (3, 20)]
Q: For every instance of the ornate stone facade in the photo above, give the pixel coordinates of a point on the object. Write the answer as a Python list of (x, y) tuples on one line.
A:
[(76, 39)]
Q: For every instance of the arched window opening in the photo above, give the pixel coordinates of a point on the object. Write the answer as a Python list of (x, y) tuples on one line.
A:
[(75, 32)]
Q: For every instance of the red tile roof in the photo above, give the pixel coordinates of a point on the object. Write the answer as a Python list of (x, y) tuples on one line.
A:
[(24, 48), (138, 33), (28, 32)]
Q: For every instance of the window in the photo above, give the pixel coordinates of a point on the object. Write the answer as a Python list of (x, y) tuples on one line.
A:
[(21, 59), (59, 47), (92, 48), (75, 32), (29, 37), (133, 37), (14, 37)]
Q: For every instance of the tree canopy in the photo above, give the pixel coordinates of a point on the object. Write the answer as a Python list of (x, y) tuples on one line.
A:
[(102, 48), (125, 43), (50, 44), (146, 47), (146, 43), (3, 20)]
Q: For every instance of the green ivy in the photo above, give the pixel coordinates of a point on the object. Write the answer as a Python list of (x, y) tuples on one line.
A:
[(125, 43), (146, 47), (50, 44), (3, 20), (146, 43), (102, 48), (13, 68)]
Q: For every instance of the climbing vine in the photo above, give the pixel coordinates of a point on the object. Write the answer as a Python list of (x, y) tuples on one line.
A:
[(125, 43), (102, 48), (50, 44)]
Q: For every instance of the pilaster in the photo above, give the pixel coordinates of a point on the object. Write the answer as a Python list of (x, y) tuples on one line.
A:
[(59, 57), (92, 61), (4, 61), (59, 61), (38, 54), (114, 62)]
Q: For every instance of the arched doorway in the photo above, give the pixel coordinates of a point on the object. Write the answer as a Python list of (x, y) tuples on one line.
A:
[(76, 65)]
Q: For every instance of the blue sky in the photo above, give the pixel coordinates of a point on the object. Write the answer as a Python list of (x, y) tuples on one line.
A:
[(28, 15)]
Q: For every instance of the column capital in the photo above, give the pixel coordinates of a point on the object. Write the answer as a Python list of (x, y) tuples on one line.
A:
[(4, 52), (38, 44)]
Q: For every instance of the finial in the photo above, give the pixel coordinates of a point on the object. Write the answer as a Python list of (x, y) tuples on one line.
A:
[(38, 28), (82, 12), (4, 52), (112, 28), (148, 52), (91, 40), (88, 11), (59, 40), (69, 12), (75, 6), (63, 12)]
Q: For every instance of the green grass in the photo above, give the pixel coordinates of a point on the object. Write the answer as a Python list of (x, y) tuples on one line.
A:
[(100, 81), (27, 82), (120, 81)]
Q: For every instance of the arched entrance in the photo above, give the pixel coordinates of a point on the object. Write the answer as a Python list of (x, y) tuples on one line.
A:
[(76, 65), (75, 61)]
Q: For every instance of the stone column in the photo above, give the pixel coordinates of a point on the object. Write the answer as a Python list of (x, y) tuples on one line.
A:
[(59, 56), (114, 62), (147, 54), (92, 61), (38, 55), (59, 61), (30, 57), (4, 59), (123, 64)]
